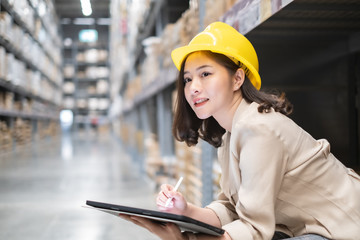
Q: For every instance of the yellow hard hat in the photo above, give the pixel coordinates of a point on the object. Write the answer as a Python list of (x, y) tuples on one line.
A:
[(221, 38)]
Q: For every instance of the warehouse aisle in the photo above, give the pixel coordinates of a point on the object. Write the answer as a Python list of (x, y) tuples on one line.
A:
[(43, 188)]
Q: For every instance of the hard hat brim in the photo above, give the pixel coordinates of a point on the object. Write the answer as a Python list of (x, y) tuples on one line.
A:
[(179, 54)]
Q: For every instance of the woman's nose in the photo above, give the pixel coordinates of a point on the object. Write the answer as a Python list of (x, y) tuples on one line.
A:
[(195, 86)]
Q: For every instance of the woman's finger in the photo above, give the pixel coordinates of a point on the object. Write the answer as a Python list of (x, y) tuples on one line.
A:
[(125, 217), (166, 188), (164, 231), (161, 200), (139, 223), (131, 219), (151, 226)]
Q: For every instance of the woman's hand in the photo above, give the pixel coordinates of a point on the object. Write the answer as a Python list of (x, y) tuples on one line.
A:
[(178, 205), (168, 231)]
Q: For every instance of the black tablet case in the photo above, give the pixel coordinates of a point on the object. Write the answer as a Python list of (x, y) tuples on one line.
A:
[(185, 223)]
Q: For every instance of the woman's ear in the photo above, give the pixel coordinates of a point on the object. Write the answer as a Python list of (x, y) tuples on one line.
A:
[(239, 78)]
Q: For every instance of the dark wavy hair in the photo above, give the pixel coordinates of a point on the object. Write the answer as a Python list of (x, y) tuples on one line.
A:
[(188, 127)]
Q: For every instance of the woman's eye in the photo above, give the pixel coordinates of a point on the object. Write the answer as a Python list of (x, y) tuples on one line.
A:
[(205, 74), (186, 80)]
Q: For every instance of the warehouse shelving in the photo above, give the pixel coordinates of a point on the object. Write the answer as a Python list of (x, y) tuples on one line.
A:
[(164, 80), (29, 28), (151, 21), (30, 87), (90, 67), (28, 62)]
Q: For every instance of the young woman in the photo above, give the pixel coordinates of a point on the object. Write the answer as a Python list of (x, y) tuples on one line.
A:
[(277, 181)]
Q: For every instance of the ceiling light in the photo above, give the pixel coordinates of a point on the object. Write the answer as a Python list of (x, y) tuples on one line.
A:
[(86, 7)]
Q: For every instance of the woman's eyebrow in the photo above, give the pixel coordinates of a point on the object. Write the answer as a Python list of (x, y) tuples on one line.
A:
[(199, 68)]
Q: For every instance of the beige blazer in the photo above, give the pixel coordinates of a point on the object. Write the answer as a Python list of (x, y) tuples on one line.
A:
[(275, 176)]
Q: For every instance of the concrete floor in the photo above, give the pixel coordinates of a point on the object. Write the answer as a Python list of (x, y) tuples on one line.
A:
[(43, 188)]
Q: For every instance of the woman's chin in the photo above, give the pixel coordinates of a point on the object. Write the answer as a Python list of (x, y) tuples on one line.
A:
[(202, 116)]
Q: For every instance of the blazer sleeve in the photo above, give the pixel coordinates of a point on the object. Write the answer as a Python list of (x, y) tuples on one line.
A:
[(223, 209), (262, 162)]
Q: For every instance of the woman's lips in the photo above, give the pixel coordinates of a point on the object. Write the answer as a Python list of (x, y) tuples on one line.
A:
[(200, 101)]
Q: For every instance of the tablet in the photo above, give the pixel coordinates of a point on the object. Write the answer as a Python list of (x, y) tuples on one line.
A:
[(184, 223)]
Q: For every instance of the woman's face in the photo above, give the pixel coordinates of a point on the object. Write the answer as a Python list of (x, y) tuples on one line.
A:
[(209, 88)]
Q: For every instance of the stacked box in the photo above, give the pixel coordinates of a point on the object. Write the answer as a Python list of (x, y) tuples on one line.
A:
[(8, 101), (26, 13), (153, 162), (97, 72), (5, 137), (103, 55), (80, 57), (69, 88), (124, 133), (54, 129), (81, 74), (81, 103), (150, 68), (102, 86), (103, 129), (5, 25), (134, 87), (93, 103), (190, 25), (47, 129), (91, 89), (28, 79), (10, 66), (103, 103), (36, 83), (27, 105), (69, 102), (69, 71), (2, 100), (159, 168), (139, 139), (17, 105), (214, 10), (18, 36), (189, 166), (22, 131), (3, 63), (169, 39)]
